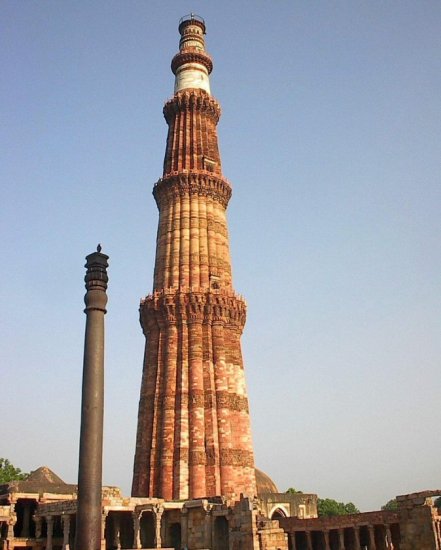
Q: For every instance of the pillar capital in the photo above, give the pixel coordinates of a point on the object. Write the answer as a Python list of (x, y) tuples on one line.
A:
[(96, 280), (158, 510)]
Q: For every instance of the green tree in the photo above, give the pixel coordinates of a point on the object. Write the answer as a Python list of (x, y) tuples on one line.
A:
[(293, 491), (437, 503), (330, 507), (391, 505), (350, 508), (8, 472)]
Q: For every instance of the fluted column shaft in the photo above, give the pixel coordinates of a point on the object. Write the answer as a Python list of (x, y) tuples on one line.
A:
[(168, 418), (196, 411)]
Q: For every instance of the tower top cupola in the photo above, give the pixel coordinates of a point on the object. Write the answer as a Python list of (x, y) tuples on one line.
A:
[(192, 65)]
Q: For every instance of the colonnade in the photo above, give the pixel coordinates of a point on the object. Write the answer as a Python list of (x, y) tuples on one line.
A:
[(151, 525), (363, 537), (67, 521)]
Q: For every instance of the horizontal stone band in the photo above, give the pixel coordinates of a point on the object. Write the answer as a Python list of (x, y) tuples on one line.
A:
[(192, 307), (186, 183), (236, 457)]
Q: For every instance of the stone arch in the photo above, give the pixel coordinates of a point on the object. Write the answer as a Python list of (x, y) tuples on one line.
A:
[(278, 512)]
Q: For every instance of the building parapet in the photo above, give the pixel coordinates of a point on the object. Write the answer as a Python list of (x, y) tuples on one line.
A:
[(385, 517)]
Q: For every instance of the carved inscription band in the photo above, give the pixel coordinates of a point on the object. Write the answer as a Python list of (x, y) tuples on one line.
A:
[(228, 457), (206, 400)]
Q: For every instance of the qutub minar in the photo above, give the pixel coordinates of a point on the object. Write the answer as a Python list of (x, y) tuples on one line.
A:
[(194, 436), (195, 486)]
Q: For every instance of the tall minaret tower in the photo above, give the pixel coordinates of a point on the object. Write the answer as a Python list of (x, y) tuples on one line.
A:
[(194, 436)]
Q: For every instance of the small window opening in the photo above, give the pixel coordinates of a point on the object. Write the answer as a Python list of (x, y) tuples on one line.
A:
[(209, 164)]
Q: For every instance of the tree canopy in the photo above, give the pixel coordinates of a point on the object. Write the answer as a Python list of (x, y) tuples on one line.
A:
[(8, 472), (293, 491), (391, 505), (437, 502), (330, 507)]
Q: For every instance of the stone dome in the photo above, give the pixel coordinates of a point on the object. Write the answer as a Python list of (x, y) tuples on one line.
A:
[(264, 483), (45, 475)]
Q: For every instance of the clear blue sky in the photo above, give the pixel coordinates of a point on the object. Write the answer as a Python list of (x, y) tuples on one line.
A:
[(330, 136)]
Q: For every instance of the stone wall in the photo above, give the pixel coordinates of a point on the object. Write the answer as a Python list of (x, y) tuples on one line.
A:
[(299, 505), (420, 521)]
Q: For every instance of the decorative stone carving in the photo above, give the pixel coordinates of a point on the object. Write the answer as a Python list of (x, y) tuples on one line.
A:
[(202, 183), (194, 436)]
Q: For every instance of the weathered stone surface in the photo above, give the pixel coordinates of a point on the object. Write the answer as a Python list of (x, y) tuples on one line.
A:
[(194, 436)]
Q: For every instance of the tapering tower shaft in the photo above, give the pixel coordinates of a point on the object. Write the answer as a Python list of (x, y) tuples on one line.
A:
[(194, 436)]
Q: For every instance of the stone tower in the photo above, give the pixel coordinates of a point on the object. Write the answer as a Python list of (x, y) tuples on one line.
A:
[(194, 437)]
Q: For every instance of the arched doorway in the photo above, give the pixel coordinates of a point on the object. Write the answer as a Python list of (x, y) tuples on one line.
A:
[(278, 514)]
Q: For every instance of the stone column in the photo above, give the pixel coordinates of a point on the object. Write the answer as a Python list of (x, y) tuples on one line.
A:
[(371, 531), (88, 532), (26, 521), (389, 544), (157, 514), (326, 537), (184, 527), (11, 522), (38, 520), (208, 532), (292, 537), (341, 539), (136, 529), (309, 540), (103, 529), (357, 538), (66, 531), (50, 528), (117, 531)]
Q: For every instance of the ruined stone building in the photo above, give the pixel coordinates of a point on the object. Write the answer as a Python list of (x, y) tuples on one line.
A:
[(40, 513), (195, 485)]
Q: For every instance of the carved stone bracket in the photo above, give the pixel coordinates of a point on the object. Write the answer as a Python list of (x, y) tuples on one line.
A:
[(195, 56), (185, 183), (192, 100), (164, 308)]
